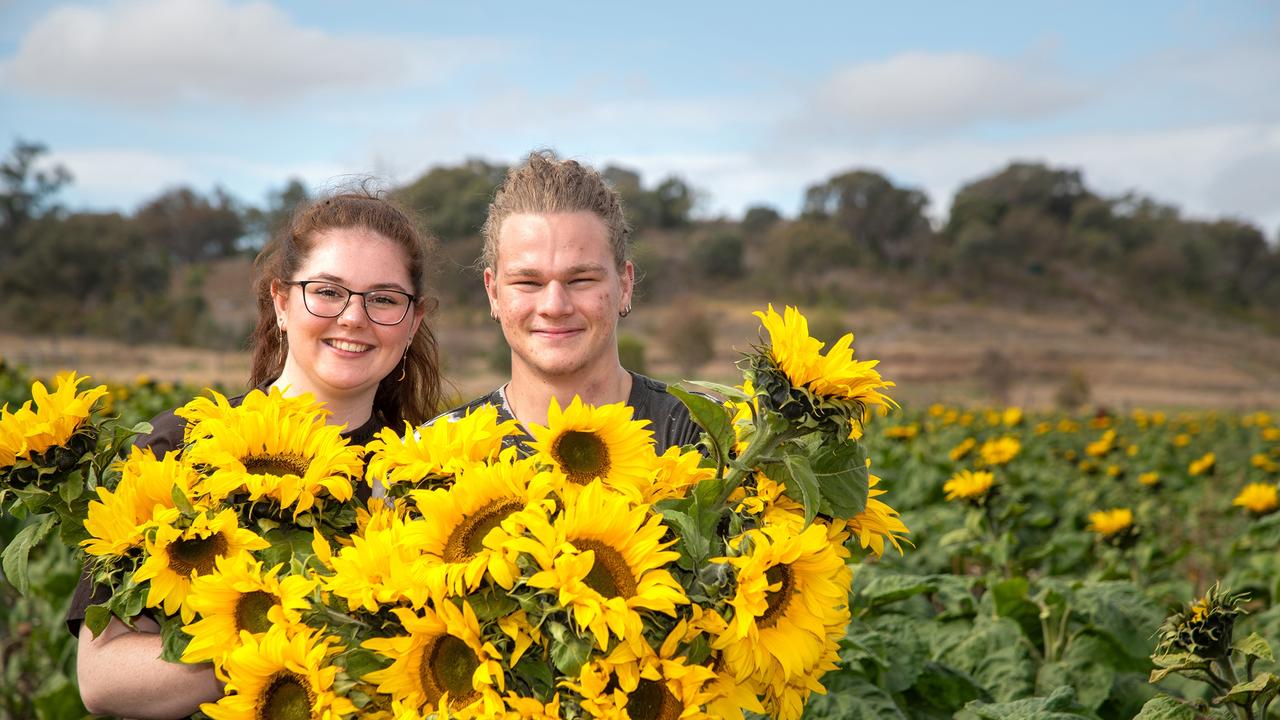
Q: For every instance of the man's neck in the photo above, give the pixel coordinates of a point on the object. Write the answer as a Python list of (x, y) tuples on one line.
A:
[(529, 395)]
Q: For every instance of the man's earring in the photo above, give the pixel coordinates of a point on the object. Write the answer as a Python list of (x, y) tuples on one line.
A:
[(625, 311)]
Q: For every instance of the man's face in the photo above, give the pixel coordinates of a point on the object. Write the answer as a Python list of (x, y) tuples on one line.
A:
[(557, 291)]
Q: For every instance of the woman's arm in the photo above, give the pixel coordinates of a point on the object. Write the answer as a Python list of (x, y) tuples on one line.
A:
[(121, 673)]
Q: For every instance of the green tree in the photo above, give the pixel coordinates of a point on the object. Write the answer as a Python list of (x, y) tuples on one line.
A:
[(453, 201), (883, 220), (191, 226), (26, 191), (263, 223), (718, 255), (1027, 185)]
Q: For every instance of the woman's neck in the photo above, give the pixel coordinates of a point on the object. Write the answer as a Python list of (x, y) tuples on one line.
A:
[(352, 411)]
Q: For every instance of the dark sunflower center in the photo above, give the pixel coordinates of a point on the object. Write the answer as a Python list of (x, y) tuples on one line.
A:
[(196, 554), (278, 465), (610, 575), (777, 599), (251, 611), (583, 456), (447, 666), (652, 701), (287, 697), (467, 539)]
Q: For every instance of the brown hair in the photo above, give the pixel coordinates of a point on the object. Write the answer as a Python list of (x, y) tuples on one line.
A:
[(545, 184), (416, 398)]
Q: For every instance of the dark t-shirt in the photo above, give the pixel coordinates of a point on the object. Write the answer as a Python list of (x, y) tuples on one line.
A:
[(166, 434), (668, 417)]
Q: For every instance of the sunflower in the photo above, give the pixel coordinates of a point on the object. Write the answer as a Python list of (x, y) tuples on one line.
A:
[(270, 446), (586, 442), (605, 560), (117, 520), (442, 449), (384, 564), (644, 687), (13, 444), (678, 471), (240, 596), (468, 526), (999, 451), (1113, 524), (1203, 465), (57, 416), (792, 590), (442, 662), (1149, 479), (971, 485), (962, 450), (878, 522), (175, 556), (279, 676), (833, 376), (1101, 446), (1257, 498)]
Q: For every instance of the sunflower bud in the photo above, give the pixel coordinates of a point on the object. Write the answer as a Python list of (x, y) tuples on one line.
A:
[(1204, 629)]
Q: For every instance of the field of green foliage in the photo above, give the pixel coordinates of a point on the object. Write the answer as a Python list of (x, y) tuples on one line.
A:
[(1046, 553)]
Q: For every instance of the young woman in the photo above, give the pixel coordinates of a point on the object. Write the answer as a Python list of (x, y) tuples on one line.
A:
[(341, 302)]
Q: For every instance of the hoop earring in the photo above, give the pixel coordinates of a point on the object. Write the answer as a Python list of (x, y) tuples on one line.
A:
[(625, 312), (404, 365)]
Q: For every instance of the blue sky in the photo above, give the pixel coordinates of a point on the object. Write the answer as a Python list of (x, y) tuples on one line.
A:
[(750, 102)]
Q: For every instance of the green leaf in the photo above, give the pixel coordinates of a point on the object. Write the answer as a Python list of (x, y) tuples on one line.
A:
[(58, 698), (946, 688), (174, 640), (1255, 646), (96, 618), (727, 391), (1166, 707), (994, 653), (884, 588), (852, 697), (16, 555), (537, 674), (1061, 705), (694, 545), (180, 501), (1086, 666), (842, 475), (1261, 688), (713, 418), (800, 478), (1170, 663), (569, 652), (71, 487), (491, 605), (359, 662), (1120, 611)]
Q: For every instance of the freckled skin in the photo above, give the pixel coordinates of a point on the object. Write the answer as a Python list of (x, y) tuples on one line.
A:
[(557, 291)]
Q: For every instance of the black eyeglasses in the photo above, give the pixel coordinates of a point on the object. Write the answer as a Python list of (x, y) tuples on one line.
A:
[(328, 300)]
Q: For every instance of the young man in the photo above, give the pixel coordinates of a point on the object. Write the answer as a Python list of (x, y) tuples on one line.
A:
[(558, 277)]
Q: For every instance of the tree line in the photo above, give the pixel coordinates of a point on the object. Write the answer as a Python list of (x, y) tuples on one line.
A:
[(1026, 232)]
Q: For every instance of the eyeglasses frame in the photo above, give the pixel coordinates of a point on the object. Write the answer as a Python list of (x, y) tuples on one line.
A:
[(364, 303)]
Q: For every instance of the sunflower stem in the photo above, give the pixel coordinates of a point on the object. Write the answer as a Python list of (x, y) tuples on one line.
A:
[(765, 441)]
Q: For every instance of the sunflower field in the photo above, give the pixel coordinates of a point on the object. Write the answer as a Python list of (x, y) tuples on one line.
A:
[(826, 554)]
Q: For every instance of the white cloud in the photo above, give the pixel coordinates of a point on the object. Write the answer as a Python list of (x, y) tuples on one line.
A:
[(160, 52), (123, 179), (916, 91)]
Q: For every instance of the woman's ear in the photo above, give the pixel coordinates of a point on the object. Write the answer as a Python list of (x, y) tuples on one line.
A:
[(280, 299)]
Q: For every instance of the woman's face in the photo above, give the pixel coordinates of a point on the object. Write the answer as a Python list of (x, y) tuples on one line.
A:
[(343, 358)]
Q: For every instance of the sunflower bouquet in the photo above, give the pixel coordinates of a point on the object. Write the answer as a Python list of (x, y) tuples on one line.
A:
[(588, 577), (53, 449)]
